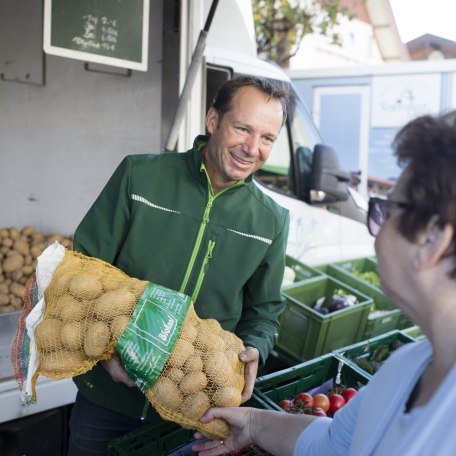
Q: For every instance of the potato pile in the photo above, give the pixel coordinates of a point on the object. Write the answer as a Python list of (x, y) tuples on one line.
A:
[(202, 371), (88, 305), (18, 253)]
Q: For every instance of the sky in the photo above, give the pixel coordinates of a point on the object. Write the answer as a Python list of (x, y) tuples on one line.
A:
[(417, 17)]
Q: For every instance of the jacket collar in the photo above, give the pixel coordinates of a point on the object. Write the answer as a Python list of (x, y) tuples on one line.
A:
[(197, 162)]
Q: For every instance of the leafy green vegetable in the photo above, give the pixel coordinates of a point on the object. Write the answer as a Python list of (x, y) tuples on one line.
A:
[(369, 276)]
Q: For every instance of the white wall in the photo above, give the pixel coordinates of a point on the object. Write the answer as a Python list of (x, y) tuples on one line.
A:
[(60, 142)]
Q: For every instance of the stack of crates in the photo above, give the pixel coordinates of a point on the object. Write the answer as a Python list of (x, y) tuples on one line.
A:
[(387, 316), (318, 375), (305, 333), (367, 356)]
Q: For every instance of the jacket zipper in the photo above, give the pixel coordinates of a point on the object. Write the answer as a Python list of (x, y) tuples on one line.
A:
[(203, 270), (202, 229)]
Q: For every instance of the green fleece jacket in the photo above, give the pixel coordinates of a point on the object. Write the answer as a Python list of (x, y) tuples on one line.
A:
[(158, 220)]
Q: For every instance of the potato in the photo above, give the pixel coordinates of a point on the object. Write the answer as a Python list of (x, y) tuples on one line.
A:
[(96, 339), (68, 308), (59, 283), (208, 340), (13, 262), (212, 325), (72, 335), (217, 367), (227, 397), (60, 362), (194, 363), (113, 303), (175, 374), (118, 325), (181, 352), (16, 289), (85, 286), (14, 233), (37, 249), (22, 246), (111, 282), (219, 428), (4, 298), (27, 270), (189, 332), (166, 392), (195, 405), (4, 288), (27, 231), (47, 334), (192, 383)]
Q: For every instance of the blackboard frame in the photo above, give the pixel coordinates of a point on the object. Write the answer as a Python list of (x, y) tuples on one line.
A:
[(100, 56)]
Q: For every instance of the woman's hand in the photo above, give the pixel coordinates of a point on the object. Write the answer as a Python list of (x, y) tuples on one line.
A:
[(251, 357), (240, 420)]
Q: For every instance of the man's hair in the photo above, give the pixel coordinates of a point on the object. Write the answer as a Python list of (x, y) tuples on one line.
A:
[(427, 146), (275, 89)]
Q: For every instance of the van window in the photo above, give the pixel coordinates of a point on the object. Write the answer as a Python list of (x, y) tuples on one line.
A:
[(277, 170)]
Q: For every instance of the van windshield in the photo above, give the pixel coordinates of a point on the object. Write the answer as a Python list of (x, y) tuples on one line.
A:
[(297, 139)]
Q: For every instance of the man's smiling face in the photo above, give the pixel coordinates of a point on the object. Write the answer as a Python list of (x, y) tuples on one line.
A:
[(242, 138)]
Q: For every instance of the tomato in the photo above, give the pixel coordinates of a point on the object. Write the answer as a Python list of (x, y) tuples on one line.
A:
[(303, 400), (336, 401), (322, 401), (349, 393), (317, 411), (286, 404)]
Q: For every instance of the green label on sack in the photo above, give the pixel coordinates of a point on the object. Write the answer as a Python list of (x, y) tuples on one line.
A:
[(151, 333)]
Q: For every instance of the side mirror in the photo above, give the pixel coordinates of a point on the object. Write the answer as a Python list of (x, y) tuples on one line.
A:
[(327, 181)]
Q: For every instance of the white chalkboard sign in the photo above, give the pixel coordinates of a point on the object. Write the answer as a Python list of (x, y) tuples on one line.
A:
[(110, 32)]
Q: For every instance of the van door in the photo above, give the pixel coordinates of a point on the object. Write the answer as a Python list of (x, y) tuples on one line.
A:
[(316, 235)]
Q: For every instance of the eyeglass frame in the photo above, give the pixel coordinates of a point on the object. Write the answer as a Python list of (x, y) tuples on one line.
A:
[(376, 202)]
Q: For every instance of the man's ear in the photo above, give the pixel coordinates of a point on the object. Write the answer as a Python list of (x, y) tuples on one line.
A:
[(433, 243), (211, 120)]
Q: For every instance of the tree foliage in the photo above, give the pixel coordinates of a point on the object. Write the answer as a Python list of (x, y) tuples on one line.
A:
[(280, 25)]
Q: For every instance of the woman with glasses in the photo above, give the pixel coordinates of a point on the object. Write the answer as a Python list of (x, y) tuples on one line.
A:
[(409, 406)]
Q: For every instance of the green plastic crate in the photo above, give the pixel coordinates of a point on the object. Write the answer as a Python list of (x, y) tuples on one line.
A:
[(302, 271), (162, 438), (286, 384), (414, 332), (384, 315), (305, 334), (366, 264), (364, 350)]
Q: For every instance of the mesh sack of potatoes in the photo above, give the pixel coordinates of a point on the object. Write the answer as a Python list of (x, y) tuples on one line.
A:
[(183, 364), (203, 371), (88, 305)]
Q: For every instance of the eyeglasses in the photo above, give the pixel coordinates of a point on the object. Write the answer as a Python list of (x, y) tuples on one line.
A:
[(379, 212)]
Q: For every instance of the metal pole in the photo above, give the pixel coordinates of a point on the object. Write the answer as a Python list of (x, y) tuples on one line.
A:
[(189, 81)]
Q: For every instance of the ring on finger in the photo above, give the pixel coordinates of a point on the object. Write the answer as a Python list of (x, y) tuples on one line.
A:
[(222, 442)]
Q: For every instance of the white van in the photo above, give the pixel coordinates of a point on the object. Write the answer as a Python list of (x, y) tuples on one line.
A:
[(327, 216)]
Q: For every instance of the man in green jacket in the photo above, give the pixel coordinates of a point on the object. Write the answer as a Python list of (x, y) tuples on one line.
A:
[(193, 222)]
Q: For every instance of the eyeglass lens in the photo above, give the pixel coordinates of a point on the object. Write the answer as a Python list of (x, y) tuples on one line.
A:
[(378, 215)]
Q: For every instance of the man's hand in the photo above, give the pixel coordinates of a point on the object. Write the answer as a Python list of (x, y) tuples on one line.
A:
[(251, 357), (116, 370)]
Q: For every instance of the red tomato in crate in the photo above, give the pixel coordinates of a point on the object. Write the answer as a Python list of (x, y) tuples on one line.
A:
[(336, 401), (286, 404), (322, 401), (349, 393), (317, 411), (303, 400)]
